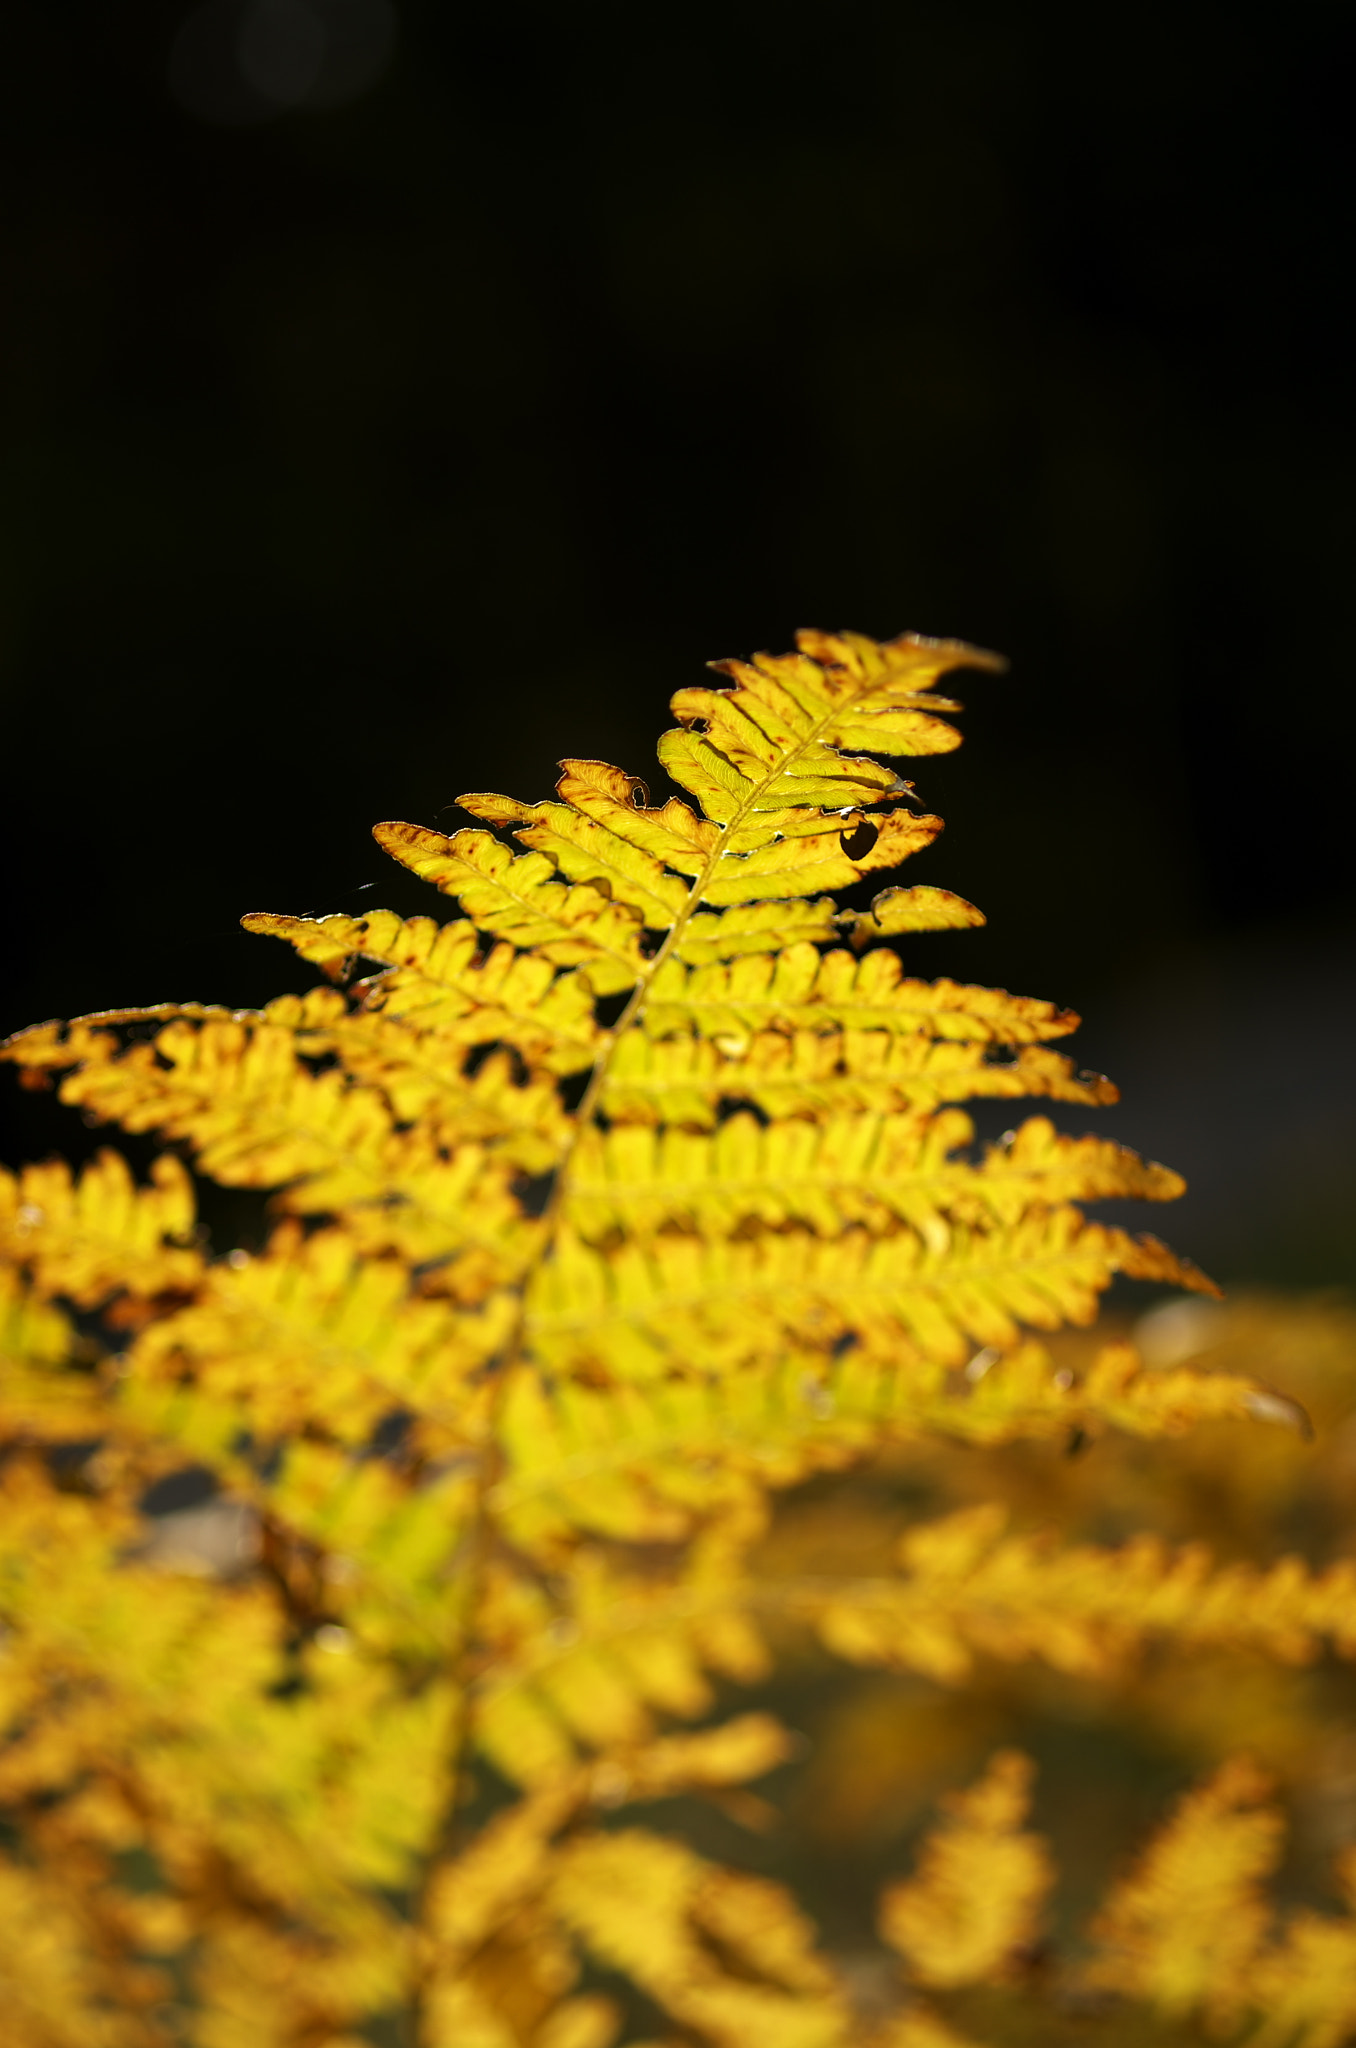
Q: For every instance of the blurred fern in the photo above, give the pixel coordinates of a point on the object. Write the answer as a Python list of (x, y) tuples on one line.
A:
[(604, 1214)]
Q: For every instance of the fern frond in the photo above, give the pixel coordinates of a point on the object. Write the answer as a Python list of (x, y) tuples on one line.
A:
[(896, 911), (772, 744), (712, 935), (968, 1589), (424, 1083), (99, 1235), (522, 898), (647, 1906), (1304, 1985), (804, 860), (255, 1115), (919, 2028), (38, 1398), (314, 1330), (591, 1668), (589, 1665), (494, 1899), (477, 1890), (800, 989), (642, 1462), (623, 1202), (59, 1991), (438, 981), (682, 1305), (273, 1819), (1181, 1931), (982, 1881), (685, 1081), (873, 1170)]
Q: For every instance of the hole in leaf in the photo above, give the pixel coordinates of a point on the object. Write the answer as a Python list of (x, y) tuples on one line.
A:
[(857, 843), (190, 1487)]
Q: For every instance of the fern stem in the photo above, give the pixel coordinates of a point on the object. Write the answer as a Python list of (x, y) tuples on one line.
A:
[(489, 1471)]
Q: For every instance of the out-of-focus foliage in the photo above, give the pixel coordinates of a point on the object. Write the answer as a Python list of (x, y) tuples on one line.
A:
[(639, 1323)]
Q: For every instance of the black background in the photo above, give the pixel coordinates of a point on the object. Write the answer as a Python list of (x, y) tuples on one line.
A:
[(362, 455)]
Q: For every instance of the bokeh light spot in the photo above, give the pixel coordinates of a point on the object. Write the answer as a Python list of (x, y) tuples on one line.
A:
[(237, 62)]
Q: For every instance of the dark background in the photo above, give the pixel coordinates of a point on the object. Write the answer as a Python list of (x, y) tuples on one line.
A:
[(383, 422)]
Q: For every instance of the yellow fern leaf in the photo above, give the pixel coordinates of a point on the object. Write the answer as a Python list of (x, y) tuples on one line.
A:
[(801, 861), (256, 1116), (263, 1987), (56, 1994), (914, 910), (772, 743), (312, 1328), (590, 852), (865, 1169), (649, 1907), (644, 1462), (678, 1304), (426, 1084), (975, 1904), (523, 900), (438, 981), (509, 1860), (100, 1235), (752, 927), (593, 1668), (584, 1245), (800, 989), (971, 1589), (37, 1397), (684, 1080), (1181, 1931), (918, 2028), (1304, 1984), (588, 2022)]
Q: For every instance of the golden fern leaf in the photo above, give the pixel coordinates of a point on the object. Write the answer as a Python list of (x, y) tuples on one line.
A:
[(255, 1115), (975, 1905), (970, 1589), (38, 1397), (261, 1986), (712, 935), (594, 1662), (919, 2028), (522, 899), (100, 1235), (630, 1197), (1304, 1984), (59, 1992), (1181, 1931), (799, 988), (773, 744), (509, 1859), (313, 1329), (874, 1170), (895, 911), (676, 1303), (261, 1811), (684, 1081), (643, 1462), (649, 1907), (592, 1666), (522, 1121), (486, 1904), (439, 983)]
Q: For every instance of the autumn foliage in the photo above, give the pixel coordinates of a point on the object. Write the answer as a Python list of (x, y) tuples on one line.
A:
[(637, 1325)]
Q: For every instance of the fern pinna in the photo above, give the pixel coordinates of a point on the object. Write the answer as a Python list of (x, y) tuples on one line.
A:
[(622, 1202)]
